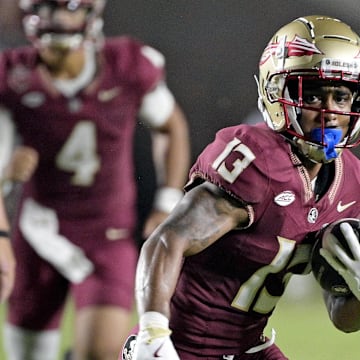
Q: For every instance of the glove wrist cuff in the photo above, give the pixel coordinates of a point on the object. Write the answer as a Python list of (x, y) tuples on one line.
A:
[(153, 319)]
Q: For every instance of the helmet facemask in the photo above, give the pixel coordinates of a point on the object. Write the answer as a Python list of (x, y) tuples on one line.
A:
[(323, 143), (62, 24)]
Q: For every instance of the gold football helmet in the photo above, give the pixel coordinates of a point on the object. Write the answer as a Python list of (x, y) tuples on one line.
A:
[(41, 29), (309, 48)]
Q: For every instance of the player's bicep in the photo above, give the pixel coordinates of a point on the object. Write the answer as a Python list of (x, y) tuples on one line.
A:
[(7, 137), (204, 215)]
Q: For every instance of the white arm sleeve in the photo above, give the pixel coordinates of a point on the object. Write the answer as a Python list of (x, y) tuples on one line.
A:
[(7, 138), (157, 106)]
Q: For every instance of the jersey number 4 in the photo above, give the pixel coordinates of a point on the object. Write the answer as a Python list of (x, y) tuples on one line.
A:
[(79, 154)]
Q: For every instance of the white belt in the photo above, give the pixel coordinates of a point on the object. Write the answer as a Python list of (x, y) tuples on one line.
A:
[(257, 348)]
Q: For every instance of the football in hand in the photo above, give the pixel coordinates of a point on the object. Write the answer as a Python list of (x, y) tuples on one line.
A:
[(326, 276)]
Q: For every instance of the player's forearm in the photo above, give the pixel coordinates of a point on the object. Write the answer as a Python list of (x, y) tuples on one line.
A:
[(177, 152), (344, 312), (157, 274)]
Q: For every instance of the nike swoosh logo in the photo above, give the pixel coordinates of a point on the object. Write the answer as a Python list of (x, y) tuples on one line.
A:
[(340, 207), (157, 352)]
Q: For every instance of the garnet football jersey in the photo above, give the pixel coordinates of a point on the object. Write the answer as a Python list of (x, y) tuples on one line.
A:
[(227, 292)]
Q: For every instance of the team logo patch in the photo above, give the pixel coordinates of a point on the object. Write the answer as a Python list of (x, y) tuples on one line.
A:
[(19, 79), (285, 198), (313, 215), (128, 349)]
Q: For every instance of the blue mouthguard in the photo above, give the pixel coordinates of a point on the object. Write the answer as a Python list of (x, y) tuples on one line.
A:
[(331, 138)]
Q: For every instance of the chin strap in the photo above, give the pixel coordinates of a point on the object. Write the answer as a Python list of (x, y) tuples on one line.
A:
[(330, 137)]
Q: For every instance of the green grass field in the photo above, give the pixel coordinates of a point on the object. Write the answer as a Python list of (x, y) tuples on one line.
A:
[(304, 332), (303, 329)]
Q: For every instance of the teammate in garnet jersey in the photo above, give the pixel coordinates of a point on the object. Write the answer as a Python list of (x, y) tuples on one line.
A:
[(210, 275), (74, 98)]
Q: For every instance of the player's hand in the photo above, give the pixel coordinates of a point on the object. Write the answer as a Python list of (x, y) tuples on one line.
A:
[(347, 265), (153, 341), (22, 164), (7, 269)]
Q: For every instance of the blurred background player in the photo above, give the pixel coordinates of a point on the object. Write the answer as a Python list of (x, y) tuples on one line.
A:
[(74, 98), (210, 276), (7, 258)]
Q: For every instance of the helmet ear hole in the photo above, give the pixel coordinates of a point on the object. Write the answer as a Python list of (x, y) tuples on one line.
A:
[(292, 112), (293, 88)]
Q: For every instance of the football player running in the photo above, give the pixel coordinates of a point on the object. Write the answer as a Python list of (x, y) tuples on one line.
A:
[(210, 276), (74, 98)]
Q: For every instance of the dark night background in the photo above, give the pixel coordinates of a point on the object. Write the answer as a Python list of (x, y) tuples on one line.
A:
[(212, 49)]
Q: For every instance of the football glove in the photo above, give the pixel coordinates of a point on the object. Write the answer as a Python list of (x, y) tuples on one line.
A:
[(345, 263), (153, 341)]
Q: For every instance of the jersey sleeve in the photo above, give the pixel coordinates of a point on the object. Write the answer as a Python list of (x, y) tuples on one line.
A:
[(157, 106), (137, 63), (16, 71), (235, 162)]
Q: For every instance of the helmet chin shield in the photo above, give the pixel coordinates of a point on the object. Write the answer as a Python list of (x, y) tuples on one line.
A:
[(312, 48), (45, 28)]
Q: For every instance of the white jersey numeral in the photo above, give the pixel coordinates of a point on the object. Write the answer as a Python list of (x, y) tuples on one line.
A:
[(79, 156), (238, 165), (253, 293)]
